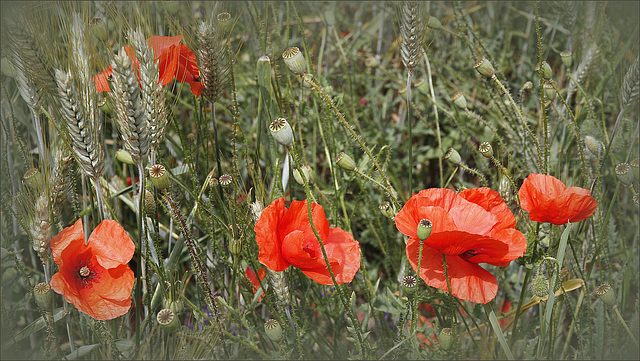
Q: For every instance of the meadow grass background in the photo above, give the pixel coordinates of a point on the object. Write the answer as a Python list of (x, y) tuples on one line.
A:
[(353, 52)]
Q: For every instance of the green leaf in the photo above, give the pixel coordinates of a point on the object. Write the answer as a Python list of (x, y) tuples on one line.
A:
[(35, 326)]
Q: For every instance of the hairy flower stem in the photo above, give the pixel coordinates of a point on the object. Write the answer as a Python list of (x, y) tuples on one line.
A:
[(478, 174), (197, 263), (624, 324), (409, 121), (414, 315), (390, 191), (344, 123), (345, 302)]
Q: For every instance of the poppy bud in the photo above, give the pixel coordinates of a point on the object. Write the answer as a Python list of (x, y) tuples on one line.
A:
[(486, 149), (549, 91), (634, 163), (298, 177), (409, 284), (168, 320), (624, 173), (99, 29), (387, 209), (104, 103), (263, 70), (484, 67), (295, 60), (458, 99), (453, 156), (281, 132), (540, 285), (566, 58), (225, 180), (345, 162), (606, 294), (446, 338), (159, 176), (32, 178), (424, 229), (547, 72), (43, 295), (149, 203), (124, 156), (594, 146), (273, 330), (434, 23), (235, 246), (371, 62), (527, 86)]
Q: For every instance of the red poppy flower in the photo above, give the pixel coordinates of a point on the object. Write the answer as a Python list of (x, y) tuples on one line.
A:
[(253, 278), (285, 238), (94, 277), (474, 226), (176, 61), (547, 199)]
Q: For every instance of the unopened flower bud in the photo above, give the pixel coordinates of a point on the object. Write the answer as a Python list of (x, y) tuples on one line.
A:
[(486, 149), (273, 330), (453, 156), (606, 294), (281, 132), (295, 60), (446, 338), (484, 67), (159, 176), (424, 229), (32, 178), (345, 162), (99, 29), (459, 100), (409, 285), (298, 172), (168, 320), (149, 203), (566, 57), (527, 85), (175, 305), (547, 72), (594, 146), (124, 156), (624, 173), (43, 295), (434, 23), (235, 246), (540, 285), (387, 209), (549, 90)]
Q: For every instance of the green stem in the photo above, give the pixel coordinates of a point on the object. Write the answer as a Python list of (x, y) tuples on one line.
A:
[(410, 142), (414, 316), (498, 331), (390, 191), (615, 308)]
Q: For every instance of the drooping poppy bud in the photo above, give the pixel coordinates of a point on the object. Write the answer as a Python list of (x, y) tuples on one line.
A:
[(345, 162), (540, 285), (594, 146)]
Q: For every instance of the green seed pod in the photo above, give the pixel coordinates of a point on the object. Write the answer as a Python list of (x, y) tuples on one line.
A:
[(547, 72), (453, 156), (634, 167), (224, 22), (446, 338), (298, 177), (159, 177), (104, 103), (434, 23), (174, 305), (606, 294), (422, 86), (32, 178), (273, 330), (124, 156), (486, 149), (594, 146), (387, 210), (566, 57), (424, 229), (225, 180), (484, 67), (294, 60), (43, 295), (281, 132), (99, 29), (527, 86), (459, 100), (263, 70), (540, 285), (149, 203), (549, 90), (235, 246), (624, 173), (168, 320), (345, 162), (409, 285)]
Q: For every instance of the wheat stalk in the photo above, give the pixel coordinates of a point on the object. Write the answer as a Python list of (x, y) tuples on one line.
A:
[(210, 55), (631, 84), (412, 29)]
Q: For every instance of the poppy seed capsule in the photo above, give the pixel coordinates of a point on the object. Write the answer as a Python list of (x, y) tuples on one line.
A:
[(527, 86), (159, 176), (99, 29), (387, 209), (486, 149), (124, 156), (547, 72), (273, 330), (43, 295), (549, 90), (459, 100), (225, 180), (446, 338), (168, 320), (298, 172), (235, 246), (434, 23), (295, 60), (345, 162), (408, 285), (484, 67), (606, 294), (281, 132), (424, 229), (453, 156), (32, 178), (634, 167), (594, 146), (540, 285), (566, 57), (624, 173)]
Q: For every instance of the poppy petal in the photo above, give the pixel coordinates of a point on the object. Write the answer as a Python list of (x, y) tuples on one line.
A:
[(471, 218), (300, 252), (297, 218), (110, 296), (410, 215), (102, 80), (341, 246), (70, 237), (111, 245), (268, 237), (492, 202), (161, 44)]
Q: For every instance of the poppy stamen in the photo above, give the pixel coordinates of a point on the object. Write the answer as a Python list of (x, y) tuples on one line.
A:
[(85, 273)]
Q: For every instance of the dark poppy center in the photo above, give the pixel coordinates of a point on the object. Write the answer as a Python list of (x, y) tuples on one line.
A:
[(468, 254), (307, 248), (85, 273)]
